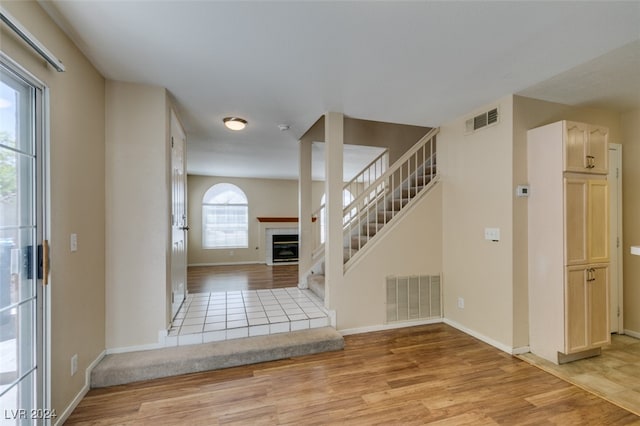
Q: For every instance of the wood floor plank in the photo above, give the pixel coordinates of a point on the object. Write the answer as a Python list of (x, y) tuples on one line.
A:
[(420, 375), (207, 279)]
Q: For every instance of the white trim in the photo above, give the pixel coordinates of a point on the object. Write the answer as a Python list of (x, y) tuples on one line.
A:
[(632, 333), (521, 350), (393, 326), (251, 262), (87, 386), (136, 348), (482, 337), (619, 285)]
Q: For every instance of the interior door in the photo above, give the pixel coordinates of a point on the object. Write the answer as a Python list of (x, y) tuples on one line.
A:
[(179, 225), (22, 305)]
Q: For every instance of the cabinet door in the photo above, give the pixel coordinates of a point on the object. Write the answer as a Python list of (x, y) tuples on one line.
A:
[(598, 289), (598, 150), (575, 218), (575, 147), (598, 221), (576, 311)]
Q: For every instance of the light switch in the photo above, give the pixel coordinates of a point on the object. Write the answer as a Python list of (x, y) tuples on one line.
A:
[(74, 242), (492, 234)]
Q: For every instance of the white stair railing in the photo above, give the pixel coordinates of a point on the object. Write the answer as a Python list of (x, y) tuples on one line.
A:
[(369, 174), (379, 201), (392, 192)]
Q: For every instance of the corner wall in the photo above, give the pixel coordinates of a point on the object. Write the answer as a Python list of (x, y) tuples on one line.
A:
[(138, 214), (77, 143), (477, 177)]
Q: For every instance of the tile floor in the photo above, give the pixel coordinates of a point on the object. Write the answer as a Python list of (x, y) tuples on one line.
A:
[(614, 375), (210, 317)]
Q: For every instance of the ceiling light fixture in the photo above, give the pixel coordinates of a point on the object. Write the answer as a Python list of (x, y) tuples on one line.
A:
[(235, 123)]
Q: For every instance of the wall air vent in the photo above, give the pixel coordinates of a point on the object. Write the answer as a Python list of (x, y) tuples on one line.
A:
[(412, 298), (482, 120)]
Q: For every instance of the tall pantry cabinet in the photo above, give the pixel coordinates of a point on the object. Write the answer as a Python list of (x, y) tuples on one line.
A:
[(568, 240)]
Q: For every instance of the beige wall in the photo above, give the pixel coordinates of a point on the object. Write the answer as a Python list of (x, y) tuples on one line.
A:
[(411, 247), (398, 138), (480, 173), (77, 197), (630, 124), (137, 210), (477, 176), (267, 198)]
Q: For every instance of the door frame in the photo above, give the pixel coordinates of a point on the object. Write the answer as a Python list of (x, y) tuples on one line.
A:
[(179, 225), (615, 218), (42, 184)]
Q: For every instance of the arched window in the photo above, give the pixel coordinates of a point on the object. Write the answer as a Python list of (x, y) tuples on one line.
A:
[(225, 217), (347, 198)]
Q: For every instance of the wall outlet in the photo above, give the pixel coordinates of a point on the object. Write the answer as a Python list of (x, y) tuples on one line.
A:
[(74, 364), (460, 303), (73, 242)]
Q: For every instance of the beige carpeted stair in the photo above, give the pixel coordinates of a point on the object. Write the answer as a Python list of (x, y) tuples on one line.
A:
[(131, 367)]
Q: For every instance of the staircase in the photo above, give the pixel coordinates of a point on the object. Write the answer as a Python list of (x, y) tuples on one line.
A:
[(380, 203)]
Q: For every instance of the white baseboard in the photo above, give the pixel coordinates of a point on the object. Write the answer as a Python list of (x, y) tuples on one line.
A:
[(87, 385), (632, 333), (482, 337), (252, 262), (382, 327), (137, 348), (521, 350)]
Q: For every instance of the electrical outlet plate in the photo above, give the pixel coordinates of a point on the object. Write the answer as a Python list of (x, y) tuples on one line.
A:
[(74, 364), (492, 234), (460, 302)]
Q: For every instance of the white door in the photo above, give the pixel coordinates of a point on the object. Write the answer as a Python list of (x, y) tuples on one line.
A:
[(179, 225), (22, 306), (615, 217)]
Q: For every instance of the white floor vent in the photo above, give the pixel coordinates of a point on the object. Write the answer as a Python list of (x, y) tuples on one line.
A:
[(414, 297)]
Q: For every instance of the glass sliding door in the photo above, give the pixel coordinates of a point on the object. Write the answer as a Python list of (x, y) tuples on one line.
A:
[(21, 244)]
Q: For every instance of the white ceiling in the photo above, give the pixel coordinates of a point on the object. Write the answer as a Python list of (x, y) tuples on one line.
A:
[(419, 63)]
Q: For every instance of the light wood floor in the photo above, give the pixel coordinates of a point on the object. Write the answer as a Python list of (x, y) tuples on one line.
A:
[(420, 375), (614, 375), (206, 279)]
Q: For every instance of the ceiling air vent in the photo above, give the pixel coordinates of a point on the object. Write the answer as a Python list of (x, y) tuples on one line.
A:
[(482, 120)]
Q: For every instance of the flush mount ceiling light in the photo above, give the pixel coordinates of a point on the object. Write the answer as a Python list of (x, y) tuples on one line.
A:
[(235, 123)]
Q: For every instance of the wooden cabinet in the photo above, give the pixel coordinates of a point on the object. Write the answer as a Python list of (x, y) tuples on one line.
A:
[(586, 220), (587, 307), (568, 241), (586, 148)]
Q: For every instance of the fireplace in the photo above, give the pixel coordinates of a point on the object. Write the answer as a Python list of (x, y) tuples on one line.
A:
[(285, 248)]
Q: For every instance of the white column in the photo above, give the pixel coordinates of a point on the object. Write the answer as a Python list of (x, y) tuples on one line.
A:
[(305, 229), (334, 143)]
